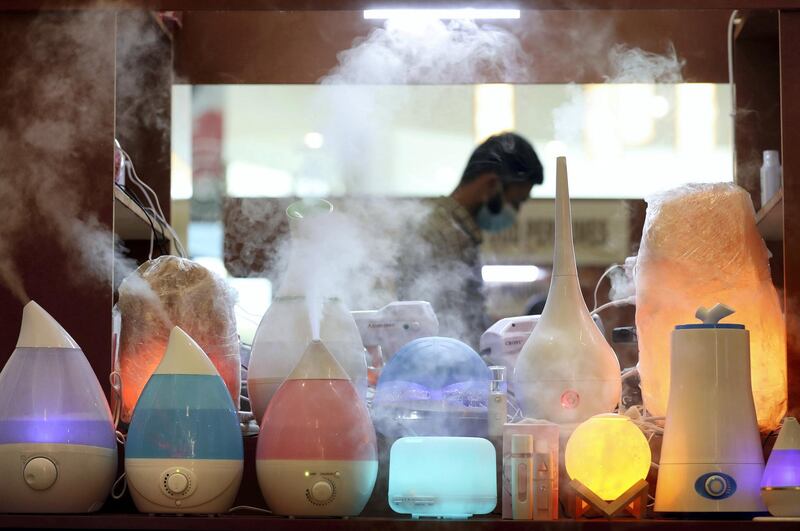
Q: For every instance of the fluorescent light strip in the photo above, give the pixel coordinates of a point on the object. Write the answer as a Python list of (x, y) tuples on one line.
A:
[(509, 274), (448, 14)]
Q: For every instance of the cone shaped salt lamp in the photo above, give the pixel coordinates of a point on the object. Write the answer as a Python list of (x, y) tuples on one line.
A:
[(317, 452), (566, 371), (58, 451), (184, 448)]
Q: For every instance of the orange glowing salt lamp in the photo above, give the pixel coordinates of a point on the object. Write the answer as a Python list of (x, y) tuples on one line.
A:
[(166, 292), (701, 245)]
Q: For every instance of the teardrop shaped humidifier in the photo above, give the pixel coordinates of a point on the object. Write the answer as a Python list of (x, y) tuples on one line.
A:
[(285, 330), (184, 448), (58, 451), (780, 487), (317, 452), (566, 372)]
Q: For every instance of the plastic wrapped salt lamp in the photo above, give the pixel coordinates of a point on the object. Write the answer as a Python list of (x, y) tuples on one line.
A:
[(166, 292), (701, 245)]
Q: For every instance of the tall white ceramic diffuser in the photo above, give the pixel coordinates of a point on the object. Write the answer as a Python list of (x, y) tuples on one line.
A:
[(286, 328), (566, 371), (58, 451), (184, 450)]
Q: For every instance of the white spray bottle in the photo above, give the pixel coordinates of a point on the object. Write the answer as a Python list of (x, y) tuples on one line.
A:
[(566, 371)]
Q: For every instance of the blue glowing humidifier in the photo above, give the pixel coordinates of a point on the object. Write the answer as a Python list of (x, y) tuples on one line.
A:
[(442, 477), (58, 451), (184, 448), (433, 386)]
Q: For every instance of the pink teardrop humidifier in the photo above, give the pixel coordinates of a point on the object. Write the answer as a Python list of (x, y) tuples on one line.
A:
[(317, 452)]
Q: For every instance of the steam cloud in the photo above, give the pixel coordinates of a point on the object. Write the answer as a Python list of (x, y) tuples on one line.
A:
[(45, 183)]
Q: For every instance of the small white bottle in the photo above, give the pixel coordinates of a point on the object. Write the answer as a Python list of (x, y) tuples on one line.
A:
[(770, 175), (498, 401), (521, 477)]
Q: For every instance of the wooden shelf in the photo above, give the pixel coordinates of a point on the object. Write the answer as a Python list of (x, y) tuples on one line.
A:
[(130, 221), (770, 218), (245, 522)]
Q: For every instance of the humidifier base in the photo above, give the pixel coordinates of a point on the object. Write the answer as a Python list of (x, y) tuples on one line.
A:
[(709, 488), (782, 502), (183, 486), (55, 478), (315, 487)]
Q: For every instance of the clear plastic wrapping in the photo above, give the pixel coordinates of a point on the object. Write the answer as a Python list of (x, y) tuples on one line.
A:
[(171, 291), (700, 247)]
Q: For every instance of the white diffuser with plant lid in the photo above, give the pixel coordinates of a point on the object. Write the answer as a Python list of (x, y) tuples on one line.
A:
[(58, 451), (302, 311), (566, 371)]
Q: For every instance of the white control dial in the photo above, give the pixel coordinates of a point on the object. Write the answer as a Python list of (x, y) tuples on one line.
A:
[(322, 491), (177, 483), (40, 473), (716, 486)]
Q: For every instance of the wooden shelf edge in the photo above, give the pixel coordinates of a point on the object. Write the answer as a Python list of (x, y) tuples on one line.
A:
[(130, 221), (770, 218)]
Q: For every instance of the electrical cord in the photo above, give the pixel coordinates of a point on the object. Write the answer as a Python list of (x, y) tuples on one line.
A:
[(153, 231)]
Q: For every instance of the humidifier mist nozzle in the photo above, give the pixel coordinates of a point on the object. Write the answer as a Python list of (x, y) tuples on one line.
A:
[(318, 363), (564, 252), (40, 330), (184, 356), (714, 315)]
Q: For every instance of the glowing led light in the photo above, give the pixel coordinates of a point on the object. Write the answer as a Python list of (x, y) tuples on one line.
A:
[(509, 273), (447, 14), (608, 454), (313, 140)]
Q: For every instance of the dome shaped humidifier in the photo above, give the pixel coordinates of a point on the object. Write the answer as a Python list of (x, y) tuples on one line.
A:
[(780, 486), (184, 448), (58, 451), (317, 453), (286, 328), (566, 371)]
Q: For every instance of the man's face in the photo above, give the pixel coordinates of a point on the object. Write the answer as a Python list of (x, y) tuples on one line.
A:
[(516, 193)]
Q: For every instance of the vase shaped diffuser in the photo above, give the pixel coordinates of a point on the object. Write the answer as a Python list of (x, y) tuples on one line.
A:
[(566, 371)]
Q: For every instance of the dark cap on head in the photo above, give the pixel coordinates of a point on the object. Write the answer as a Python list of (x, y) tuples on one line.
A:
[(508, 155)]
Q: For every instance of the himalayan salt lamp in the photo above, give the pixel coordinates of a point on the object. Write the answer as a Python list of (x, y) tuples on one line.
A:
[(700, 245), (167, 292)]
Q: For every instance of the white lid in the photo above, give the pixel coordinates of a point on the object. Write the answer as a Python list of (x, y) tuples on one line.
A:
[(789, 436), (184, 356), (39, 329), (772, 157), (318, 363), (521, 443)]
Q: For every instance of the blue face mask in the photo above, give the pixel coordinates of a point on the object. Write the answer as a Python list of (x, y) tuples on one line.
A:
[(496, 222)]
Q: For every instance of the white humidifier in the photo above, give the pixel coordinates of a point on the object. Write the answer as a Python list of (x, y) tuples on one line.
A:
[(58, 451), (711, 458), (566, 372), (298, 309), (317, 451), (184, 448)]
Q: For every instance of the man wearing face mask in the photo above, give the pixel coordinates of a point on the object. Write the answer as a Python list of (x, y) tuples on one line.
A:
[(497, 179)]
